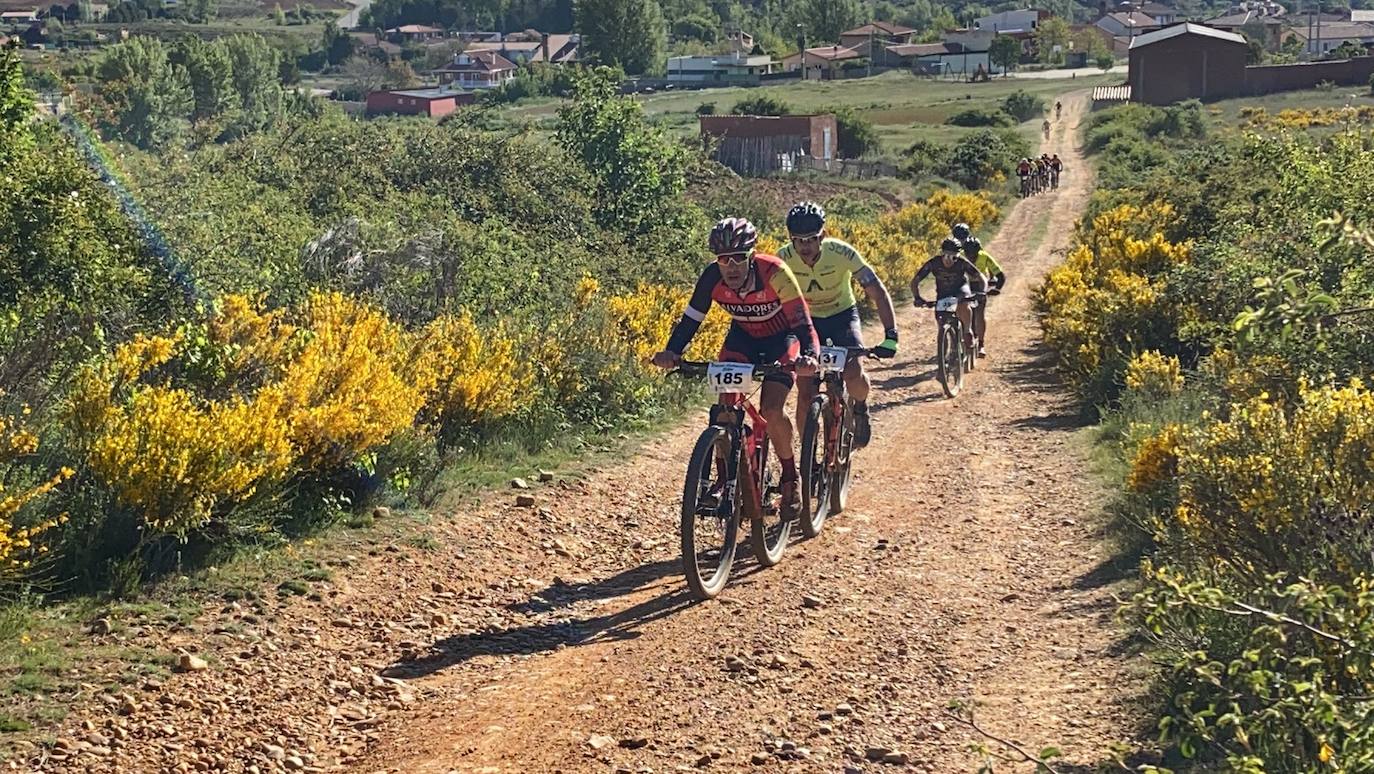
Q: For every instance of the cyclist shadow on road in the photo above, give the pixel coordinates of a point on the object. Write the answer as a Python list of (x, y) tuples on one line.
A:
[(561, 627)]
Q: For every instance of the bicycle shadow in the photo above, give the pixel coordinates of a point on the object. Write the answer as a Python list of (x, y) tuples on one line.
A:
[(547, 636)]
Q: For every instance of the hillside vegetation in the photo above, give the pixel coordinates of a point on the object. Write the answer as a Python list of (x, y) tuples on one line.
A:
[(1216, 309)]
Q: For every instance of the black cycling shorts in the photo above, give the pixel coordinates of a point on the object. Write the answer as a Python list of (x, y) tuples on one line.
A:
[(740, 347), (841, 329)]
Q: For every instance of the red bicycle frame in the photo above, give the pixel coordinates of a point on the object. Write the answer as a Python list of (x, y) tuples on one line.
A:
[(757, 427)]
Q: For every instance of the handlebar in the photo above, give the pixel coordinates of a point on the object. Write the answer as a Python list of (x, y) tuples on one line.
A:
[(698, 368)]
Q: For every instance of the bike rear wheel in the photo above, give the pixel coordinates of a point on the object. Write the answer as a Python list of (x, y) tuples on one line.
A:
[(710, 514), (815, 474), (951, 360), (769, 531)]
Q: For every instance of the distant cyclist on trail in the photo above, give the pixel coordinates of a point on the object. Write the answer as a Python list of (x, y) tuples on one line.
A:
[(1046, 127), (1056, 166), (1058, 107), (825, 269)]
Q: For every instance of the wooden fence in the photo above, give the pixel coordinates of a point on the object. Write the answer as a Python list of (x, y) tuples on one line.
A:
[(1107, 95)]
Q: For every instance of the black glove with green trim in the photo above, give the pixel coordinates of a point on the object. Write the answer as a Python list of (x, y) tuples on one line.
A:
[(888, 348)]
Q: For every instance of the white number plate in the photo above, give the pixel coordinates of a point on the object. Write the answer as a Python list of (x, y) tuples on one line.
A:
[(730, 377), (947, 304), (833, 358)]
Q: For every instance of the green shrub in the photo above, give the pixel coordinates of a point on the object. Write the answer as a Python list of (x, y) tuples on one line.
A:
[(978, 159), (857, 135), (706, 109), (762, 105), (979, 117), (1023, 106), (925, 157)]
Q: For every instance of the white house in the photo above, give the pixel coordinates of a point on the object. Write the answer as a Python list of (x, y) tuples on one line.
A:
[(720, 67), (1023, 20), (1127, 24)]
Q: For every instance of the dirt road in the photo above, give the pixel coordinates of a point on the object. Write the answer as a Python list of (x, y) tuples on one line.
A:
[(965, 569)]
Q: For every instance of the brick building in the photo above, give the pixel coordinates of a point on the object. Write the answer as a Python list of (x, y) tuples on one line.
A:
[(1186, 61), (434, 103), (757, 145)]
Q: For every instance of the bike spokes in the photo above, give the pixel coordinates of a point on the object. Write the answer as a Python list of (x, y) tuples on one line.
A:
[(710, 513)]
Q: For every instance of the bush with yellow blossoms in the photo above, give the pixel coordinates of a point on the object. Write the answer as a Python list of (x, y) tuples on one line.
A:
[(1153, 375), (21, 540)]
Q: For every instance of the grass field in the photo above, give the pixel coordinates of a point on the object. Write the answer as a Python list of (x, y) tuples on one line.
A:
[(1341, 96), (903, 107)]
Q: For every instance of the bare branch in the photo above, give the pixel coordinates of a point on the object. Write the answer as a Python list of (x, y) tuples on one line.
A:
[(1025, 755)]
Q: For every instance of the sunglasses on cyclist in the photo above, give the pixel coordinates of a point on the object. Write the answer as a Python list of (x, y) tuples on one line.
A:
[(733, 258), (806, 239)]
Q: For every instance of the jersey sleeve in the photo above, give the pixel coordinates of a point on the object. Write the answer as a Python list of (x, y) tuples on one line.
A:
[(794, 311), (975, 277), (697, 307), (987, 264), (853, 261)]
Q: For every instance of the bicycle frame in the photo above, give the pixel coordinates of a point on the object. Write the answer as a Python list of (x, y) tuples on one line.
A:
[(734, 415)]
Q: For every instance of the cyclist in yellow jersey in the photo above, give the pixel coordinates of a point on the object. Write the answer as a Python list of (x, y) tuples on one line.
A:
[(825, 269), (992, 270)]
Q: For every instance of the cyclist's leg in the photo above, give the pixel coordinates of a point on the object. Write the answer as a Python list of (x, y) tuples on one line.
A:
[(844, 331), (965, 313), (806, 391), (980, 323), (773, 407)]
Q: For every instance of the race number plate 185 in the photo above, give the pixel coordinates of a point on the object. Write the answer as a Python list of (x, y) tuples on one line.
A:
[(730, 377), (833, 358), (947, 304)]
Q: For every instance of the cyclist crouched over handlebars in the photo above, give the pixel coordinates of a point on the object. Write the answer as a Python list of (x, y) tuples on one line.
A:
[(769, 322), (825, 268), (955, 277)]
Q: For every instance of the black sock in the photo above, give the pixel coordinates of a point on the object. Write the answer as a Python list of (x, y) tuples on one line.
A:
[(860, 407)]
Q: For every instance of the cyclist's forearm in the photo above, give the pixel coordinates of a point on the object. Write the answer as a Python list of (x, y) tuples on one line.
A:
[(683, 332), (883, 300)]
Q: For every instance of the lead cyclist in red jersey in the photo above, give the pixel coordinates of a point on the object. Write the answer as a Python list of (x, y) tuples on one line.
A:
[(769, 323)]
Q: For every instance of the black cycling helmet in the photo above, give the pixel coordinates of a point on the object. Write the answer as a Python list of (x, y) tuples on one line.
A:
[(972, 245), (950, 245), (733, 235), (805, 218), (961, 231)]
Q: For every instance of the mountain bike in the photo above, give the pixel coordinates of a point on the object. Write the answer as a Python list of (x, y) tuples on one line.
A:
[(1025, 186), (731, 476), (827, 447), (954, 357)]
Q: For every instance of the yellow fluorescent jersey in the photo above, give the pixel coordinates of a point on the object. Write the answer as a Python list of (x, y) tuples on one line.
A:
[(987, 264), (828, 286)]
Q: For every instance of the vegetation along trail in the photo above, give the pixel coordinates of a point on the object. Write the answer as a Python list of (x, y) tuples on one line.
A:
[(966, 568)]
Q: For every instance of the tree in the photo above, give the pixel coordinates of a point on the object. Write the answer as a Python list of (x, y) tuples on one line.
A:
[(1052, 32), (629, 34), (639, 171), (278, 16), (1254, 51), (824, 20), (254, 68), (1005, 52), (16, 107), (857, 135), (338, 47), (1105, 61), (148, 97), (207, 66), (762, 105)]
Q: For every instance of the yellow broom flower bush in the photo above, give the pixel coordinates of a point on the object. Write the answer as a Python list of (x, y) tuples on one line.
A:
[(472, 376), (1269, 490), (1104, 303), (21, 542), (1154, 375)]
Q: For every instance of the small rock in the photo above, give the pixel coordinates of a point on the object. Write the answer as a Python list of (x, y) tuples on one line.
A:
[(896, 758), (519, 483), (634, 743), (703, 761), (844, 709), (439, 620), (546, 476), (189, 662), (524, 501), (876, 754), (381, 512), (98, 739), (647, 544), (101, 627), (294, 763), (778, 662), (600, 742), (759, 758), (734, 664), (812, 602), (1012, 597), (274, 752), (100, 751)]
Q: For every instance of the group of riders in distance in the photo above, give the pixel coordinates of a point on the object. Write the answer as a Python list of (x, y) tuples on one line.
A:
[(795, 320), (1039, 175)]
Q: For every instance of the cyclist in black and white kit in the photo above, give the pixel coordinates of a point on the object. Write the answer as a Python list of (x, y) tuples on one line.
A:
[(955, 277)]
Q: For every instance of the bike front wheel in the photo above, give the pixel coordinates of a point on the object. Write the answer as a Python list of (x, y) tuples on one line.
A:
[(710, 514), (951, 360), (844, 461), (815, 473), (769, 529)]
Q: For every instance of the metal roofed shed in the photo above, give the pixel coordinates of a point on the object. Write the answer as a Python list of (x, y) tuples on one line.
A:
[(1186, 61)]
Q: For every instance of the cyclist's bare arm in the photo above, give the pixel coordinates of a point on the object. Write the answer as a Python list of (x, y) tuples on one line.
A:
[(877, 291), (798, 317)]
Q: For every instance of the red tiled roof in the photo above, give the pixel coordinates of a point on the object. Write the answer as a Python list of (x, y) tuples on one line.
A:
[(478, 62), (887, 28)]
